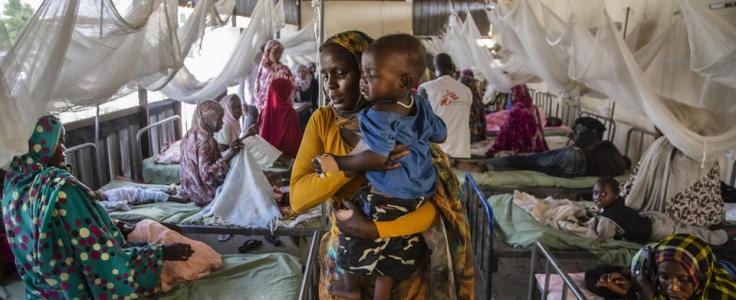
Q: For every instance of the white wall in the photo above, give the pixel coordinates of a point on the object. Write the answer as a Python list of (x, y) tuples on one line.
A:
[(376, 18)]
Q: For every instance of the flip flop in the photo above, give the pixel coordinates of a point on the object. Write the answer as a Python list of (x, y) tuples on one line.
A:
[(274, 240), (249, 245), (224, 237)]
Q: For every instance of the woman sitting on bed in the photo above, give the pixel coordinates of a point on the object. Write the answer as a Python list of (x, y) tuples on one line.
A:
[(589, 156), (65, 244), (681, 267), (522, 132), (203, 167)]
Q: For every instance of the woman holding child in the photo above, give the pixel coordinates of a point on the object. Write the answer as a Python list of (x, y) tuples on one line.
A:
[(335, 130)]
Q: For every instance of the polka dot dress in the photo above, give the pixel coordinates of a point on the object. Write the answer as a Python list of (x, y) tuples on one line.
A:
[(65, 245)]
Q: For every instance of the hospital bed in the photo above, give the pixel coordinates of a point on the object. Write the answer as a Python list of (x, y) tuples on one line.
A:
[(554, 283), (541, 184), (152, 172), (187, 217), (500, 229), (243, 276)]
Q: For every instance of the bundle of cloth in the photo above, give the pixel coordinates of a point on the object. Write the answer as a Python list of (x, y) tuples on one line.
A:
[(204, 259)]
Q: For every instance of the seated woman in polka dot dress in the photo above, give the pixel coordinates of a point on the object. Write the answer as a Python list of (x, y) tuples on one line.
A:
[(65, 244)]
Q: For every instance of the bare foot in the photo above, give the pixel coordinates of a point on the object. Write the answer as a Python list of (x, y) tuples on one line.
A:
[(340, 290)]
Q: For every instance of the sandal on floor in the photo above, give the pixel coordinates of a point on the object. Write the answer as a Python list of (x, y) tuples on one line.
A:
[(249, 245), (274, 240), (224, 237)]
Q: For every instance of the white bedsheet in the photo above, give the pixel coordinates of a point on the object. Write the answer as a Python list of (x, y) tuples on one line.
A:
[(245, 199)]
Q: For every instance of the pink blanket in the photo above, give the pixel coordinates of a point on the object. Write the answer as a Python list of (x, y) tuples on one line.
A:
[(203, 261), (495, 120)]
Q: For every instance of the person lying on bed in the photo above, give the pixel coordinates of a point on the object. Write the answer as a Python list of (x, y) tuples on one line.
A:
[(587, 157), (616, 220), (122, 198)]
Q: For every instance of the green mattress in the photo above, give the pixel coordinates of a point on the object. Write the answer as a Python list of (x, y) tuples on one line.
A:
[(522, 178), (244, 276), (154, 173), (519, 229)]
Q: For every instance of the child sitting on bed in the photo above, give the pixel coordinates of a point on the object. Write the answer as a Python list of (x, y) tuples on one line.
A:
[(392, 66), (616, 220), (122, 198)]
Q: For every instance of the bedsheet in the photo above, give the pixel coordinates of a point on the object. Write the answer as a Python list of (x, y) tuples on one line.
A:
[(154, 173), (244, 276), (517, 228), (189, 213), (522, 178), (479, 149)]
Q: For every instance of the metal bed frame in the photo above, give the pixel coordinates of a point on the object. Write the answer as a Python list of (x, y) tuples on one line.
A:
[(488, 247), (309, 284), (641, 133), (159, 141), (551, 261)]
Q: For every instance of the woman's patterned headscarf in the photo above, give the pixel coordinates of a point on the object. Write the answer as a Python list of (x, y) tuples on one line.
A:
[(711, 281), (355, 42), (270, 46), (207, 116)]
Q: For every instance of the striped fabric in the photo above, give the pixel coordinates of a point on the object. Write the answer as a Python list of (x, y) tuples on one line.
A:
[(710, 279)]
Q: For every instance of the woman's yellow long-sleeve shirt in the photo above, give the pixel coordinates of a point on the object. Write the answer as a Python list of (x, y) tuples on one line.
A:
[(308, 189)]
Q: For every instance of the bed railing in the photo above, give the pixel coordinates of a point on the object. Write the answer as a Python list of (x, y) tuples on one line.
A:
[(157, 139), (641, 134), (85, 166), (551, 261), (310, 286), (480, 218)]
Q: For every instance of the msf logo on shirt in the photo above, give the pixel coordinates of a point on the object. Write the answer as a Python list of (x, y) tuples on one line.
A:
[(448, 98)]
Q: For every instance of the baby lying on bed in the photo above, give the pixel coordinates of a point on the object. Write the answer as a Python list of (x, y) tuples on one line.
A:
[(122, 198), (616, 220)]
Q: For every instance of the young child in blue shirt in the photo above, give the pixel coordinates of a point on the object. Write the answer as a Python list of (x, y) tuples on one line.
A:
[(392, 67)]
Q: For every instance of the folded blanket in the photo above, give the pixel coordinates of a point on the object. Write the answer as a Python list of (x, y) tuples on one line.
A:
[(204, 259)]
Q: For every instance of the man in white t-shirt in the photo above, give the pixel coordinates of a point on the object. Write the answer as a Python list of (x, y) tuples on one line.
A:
[(450, 100)]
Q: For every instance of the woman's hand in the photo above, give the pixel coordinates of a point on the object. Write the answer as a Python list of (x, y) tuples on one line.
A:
[(251, 131), (124, 228), (352, 222), (177, 251), (646, 287), (392, 162)]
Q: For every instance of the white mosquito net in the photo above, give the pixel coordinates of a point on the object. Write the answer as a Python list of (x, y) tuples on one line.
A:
[(683, 80), (86, 52)]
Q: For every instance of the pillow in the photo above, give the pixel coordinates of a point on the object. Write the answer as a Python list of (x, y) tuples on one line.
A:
[(170, 154)]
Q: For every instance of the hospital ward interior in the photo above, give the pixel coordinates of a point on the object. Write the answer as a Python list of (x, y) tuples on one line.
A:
[(368, 149)]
